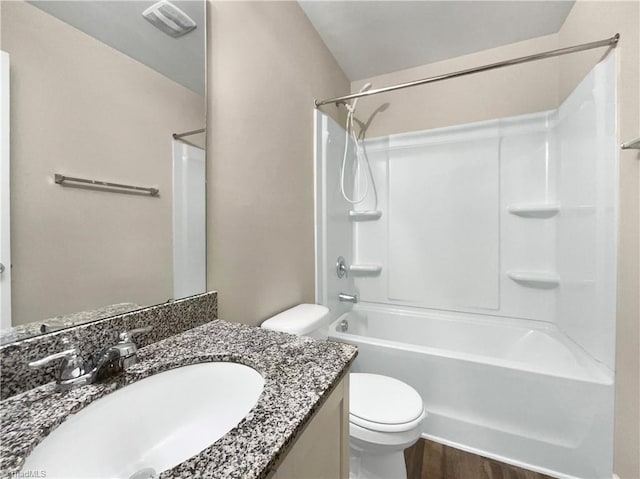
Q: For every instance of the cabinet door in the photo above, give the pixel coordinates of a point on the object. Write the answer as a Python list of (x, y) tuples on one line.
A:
[(321, 450)]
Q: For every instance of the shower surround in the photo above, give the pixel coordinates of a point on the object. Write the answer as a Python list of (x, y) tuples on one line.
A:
[(486, 276)]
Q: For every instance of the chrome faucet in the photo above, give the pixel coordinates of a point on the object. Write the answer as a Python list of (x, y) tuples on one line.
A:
[(350, 298), (75, 371)]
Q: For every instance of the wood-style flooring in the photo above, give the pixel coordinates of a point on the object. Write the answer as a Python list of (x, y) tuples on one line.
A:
[(430, 460)]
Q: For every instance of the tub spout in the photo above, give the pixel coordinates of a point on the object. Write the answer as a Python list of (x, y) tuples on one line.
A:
[(348, 297)]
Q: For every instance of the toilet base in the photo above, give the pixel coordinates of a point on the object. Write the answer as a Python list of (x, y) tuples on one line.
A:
[(368, 465)]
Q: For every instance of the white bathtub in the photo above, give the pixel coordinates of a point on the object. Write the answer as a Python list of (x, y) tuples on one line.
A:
[(523, 395)]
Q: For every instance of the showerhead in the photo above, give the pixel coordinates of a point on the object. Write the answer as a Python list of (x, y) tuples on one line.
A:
[(352, 107)]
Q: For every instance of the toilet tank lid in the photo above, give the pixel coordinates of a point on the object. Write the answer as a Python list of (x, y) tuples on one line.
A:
[(301, 319)]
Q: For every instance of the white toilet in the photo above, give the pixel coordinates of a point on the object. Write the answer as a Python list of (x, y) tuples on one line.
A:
[(385, 414)]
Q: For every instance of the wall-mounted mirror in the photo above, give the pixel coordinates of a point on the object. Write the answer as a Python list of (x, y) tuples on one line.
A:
[(96, 92)]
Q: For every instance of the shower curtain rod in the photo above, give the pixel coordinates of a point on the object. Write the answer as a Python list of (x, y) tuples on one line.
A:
[(177, 136), (612, 42)]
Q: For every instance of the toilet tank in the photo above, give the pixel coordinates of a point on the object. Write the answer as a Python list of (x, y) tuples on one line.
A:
[(310, 320)]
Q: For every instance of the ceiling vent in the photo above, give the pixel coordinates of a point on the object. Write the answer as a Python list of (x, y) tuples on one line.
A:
[(169, 18)]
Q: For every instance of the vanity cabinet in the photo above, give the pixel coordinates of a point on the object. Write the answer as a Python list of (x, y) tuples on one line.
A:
[(321, 450)]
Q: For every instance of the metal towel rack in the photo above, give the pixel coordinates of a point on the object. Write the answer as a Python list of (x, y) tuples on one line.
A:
[(631, 145), (60, 179), (178, 136)]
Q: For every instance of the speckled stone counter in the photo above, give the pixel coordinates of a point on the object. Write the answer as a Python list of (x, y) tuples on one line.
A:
[(165, 320), (299, 374), (48, 325)]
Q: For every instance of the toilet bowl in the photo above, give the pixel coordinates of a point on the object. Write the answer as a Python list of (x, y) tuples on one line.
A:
[(385, 418), (385, 414)]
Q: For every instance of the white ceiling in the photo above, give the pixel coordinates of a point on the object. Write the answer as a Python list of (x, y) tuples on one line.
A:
[(369, 38), (120, 25)]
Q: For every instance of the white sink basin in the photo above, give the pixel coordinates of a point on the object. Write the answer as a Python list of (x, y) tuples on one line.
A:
[(151, 425)]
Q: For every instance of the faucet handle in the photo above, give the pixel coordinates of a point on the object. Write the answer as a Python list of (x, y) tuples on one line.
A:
[(127, 336), (72, 370), (67, 354), (127, 350)]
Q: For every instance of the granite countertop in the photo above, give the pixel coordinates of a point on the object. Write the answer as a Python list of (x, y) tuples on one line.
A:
[(299, 374), (47, 325)]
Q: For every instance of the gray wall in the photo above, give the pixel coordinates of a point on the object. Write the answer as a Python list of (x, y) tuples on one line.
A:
[(516, 90), (266, 65)]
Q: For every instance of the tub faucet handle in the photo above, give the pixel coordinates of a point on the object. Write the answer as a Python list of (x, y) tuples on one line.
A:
[(341, 268)]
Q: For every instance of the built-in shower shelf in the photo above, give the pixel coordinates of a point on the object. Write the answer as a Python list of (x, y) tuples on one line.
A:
[(365, 269), (534, 210), (365, 215), (535, 279)]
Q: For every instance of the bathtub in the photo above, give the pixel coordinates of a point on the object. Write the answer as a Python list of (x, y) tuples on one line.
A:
[(522, 394)]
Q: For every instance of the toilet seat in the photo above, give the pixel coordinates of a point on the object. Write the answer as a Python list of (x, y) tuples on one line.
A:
[(382, 427), (383, 404)]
